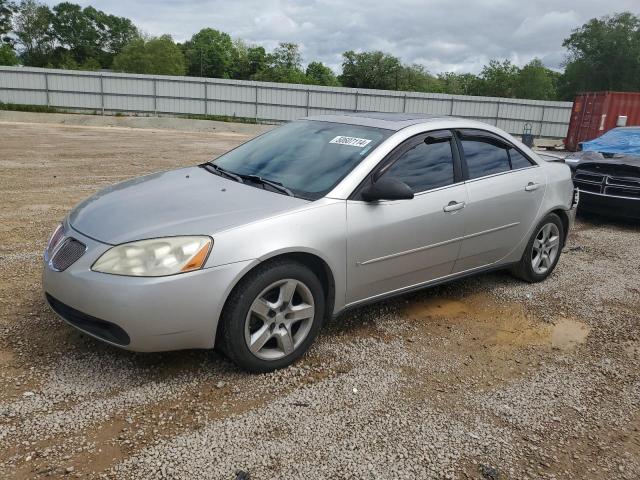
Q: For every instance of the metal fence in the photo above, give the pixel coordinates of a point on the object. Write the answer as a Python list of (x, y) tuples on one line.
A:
[(108, 92)]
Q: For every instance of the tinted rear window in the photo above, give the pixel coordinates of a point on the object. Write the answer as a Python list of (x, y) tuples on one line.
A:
[(484, 157)]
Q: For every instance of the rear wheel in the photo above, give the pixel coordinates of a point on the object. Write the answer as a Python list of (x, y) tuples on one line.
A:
[(272, 316), (543, 250)]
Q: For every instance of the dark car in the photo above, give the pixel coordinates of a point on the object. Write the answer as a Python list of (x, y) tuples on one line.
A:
[(607, 173)]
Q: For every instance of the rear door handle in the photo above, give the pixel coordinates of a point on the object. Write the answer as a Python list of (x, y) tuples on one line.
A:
[(532, 186), (453, 206)]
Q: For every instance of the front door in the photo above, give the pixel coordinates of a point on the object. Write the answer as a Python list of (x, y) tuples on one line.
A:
[(392, 245)]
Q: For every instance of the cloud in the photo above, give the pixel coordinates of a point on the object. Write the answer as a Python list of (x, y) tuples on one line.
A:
[(443, 35)]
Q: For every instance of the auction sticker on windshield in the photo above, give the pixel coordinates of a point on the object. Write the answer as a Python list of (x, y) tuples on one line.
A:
[(351, 141)]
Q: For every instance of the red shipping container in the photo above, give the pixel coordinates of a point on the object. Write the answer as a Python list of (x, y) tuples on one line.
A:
[(595, 113)]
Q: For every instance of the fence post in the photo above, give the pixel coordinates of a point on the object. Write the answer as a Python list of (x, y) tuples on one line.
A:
[(101, 94), (46, 87), (308, 94), (356, 101), (498, 103), (256, 103), (453, 101), (206, 98), (155, 97), (542, 120), (404, 104)]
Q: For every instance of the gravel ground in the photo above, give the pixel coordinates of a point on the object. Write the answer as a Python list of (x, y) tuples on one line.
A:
[(483, 378)]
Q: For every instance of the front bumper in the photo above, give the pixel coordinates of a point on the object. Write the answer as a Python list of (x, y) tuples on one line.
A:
[(155, 313), (623, 207)]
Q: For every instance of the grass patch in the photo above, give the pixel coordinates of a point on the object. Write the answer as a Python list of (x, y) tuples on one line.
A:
[(222, 118), (16, 107)]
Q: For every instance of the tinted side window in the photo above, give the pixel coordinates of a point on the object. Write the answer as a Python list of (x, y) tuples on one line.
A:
[(484, 157), (424, 167), (518, 160)]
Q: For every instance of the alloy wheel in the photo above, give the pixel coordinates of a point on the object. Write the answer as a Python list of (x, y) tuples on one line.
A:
[(545, 248), (279, 319)]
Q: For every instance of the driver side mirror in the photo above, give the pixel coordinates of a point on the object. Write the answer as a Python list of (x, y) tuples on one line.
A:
[(387, 189)]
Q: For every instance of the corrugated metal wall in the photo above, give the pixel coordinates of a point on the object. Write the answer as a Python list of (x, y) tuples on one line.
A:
[(106, 92)]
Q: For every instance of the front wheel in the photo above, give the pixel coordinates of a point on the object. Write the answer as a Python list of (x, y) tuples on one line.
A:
[(272, 316), (543, 250)]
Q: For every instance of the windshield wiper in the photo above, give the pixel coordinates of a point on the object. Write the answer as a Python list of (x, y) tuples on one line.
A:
[(218, 169), (272, 183)]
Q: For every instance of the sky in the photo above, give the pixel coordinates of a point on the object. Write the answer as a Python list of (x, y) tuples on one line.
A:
[(442, 35)]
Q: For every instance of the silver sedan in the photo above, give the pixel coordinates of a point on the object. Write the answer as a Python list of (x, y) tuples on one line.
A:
[(253, 251)]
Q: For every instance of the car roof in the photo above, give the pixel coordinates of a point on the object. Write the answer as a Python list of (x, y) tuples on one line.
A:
[(388, 121)]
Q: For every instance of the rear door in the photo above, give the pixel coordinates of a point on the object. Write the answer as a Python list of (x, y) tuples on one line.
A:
[(505, 191), (392, 245)]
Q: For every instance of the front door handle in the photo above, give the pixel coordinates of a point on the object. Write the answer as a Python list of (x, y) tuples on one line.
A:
[(453, 206), (531, 186)]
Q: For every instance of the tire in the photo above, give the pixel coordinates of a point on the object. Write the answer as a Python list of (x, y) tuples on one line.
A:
[(261, 310), (526, 268)]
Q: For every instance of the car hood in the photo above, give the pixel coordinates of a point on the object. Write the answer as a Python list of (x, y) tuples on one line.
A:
[(189, 201), (618, 162)]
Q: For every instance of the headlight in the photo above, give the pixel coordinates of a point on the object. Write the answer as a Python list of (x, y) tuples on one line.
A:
[(54, 240), (156, 257)]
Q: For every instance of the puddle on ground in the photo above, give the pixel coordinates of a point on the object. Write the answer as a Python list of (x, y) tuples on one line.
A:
[(566, 333), (503, 326)]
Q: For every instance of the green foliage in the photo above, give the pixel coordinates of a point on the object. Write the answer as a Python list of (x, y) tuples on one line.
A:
[(283, 65), (89, 35), (416, 78), (32, 29), (246, 61), (7, 55), (535, 81), (319, 74), (157, 56), (370, 70), (16, 107), (6, 12), (460, 83), (604, 54), (69, 36), (498, 79), (209, 54)]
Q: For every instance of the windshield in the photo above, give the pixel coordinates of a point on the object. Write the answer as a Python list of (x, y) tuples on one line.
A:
[(307, 157)]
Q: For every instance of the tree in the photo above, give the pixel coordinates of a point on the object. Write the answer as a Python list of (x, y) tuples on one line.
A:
[(460, 83), (91, 36), (7, 55), (370, 70), (604, 54), (320, 74), (209, 53), (6, 12), (498, 79), (157, 56), (246, 61), (416, 78), (535, 81), (283, 65), (32, 29)]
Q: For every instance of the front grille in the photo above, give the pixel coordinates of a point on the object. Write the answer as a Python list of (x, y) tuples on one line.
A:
[(100, 328), (622, 192), (69, 252), (589, 177), (624, 182), (587, 186)]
